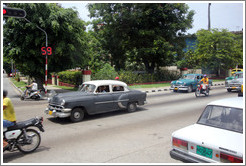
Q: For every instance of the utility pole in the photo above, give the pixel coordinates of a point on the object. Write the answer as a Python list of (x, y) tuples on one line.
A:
[(209, 4)]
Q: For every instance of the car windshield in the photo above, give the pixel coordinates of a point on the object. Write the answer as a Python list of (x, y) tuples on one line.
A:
[(223, 117), (238, 75), (188, 77), (89, 88)]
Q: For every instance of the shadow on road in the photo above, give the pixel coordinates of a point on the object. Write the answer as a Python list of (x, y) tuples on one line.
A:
[(66, 121), (11, 156)]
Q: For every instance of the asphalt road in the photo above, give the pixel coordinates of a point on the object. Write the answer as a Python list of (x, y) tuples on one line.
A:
[(117, 137)]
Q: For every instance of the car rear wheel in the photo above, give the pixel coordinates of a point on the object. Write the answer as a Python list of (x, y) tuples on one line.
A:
[(228, 90), (77, 115), (131, 107)]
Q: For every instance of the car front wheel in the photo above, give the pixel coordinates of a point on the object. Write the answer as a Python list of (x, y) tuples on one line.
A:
[(77, 115), (189, 89), (131, 107)]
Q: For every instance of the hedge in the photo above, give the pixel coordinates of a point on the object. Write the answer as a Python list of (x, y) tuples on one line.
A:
[(71, 77)]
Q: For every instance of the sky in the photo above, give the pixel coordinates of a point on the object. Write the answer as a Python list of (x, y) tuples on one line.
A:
[(223, 14)]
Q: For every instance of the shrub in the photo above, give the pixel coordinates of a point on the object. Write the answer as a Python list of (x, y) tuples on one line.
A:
[(71, 77), (106, 73)]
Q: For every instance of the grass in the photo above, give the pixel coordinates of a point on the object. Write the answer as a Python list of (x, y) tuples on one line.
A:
[(149, 86), (67, 88), (218, 80), (21, 84)]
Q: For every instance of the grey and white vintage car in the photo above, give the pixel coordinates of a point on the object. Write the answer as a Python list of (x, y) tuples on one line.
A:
[(235, 83), (95, 97)]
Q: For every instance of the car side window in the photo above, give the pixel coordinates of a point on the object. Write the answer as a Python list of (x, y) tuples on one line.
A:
[(103, 89), (117, 88)]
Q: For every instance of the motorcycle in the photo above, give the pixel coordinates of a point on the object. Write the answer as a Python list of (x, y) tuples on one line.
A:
[(23, 138), (202, 89), (31, 94)]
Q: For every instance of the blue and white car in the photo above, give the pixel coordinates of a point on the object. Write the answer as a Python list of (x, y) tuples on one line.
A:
[(217, 137)]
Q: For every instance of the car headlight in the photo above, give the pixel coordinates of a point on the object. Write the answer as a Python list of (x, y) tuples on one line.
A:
[(63, 102)]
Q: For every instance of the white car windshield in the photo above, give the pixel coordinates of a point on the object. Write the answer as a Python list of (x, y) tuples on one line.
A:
[(223, 117), (239, 75), (188, 77), (89, 88)]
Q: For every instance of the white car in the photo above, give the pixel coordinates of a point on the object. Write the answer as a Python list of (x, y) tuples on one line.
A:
[(216, 137)]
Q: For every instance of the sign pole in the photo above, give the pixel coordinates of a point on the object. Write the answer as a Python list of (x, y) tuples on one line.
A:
[(46, 59)]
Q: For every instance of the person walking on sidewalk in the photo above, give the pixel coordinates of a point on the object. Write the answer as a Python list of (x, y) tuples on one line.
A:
[(9, 118)]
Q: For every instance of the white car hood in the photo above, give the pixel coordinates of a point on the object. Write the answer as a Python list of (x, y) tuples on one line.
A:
[(212, 137)]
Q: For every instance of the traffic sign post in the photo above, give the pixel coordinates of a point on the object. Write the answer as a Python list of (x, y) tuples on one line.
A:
[(46, 51)]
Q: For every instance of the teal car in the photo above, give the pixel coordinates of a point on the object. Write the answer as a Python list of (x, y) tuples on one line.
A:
[(188, 83)]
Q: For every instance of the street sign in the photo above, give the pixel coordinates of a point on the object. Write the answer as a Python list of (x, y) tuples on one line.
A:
[(13, 12), (46, 51)]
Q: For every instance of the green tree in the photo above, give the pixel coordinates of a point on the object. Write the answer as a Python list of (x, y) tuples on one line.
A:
[(148, 33), (98, 56), (218, 50), (66, 35)]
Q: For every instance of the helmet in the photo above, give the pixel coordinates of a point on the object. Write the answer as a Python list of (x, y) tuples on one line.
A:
[(204, 75), (116, 78)]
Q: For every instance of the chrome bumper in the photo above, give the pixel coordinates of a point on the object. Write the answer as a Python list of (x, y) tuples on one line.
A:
[(61, 114), (233, 88), (177, 155), (179, 88)]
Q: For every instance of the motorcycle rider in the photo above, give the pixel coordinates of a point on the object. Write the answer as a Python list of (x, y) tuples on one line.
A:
[(34, 87), (9, 118), (205, 81)]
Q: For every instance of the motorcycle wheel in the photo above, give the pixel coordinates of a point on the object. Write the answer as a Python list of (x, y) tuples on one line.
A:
[(37, 97), (207, 92), (31, 143), (22, 98), (197, 92)]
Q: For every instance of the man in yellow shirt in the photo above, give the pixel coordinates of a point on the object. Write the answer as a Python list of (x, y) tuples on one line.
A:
[(9, 117), (205, 81)]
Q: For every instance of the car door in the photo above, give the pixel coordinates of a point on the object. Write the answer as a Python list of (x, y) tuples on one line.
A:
[(103, 101), (120, 97)]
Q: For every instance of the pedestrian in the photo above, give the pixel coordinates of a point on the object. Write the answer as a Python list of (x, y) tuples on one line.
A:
[(9, 118)]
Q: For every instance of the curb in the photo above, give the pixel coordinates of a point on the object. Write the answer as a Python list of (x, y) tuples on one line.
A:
[(159, 90), (20, 91)]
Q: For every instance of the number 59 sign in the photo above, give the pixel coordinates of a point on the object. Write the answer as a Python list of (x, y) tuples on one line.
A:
[(46, 50)]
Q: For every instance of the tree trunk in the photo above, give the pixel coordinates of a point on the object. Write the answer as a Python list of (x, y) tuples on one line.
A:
[(149, 67)]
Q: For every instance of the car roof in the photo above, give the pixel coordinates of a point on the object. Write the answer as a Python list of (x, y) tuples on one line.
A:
[(235, 102), (106, 82)]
